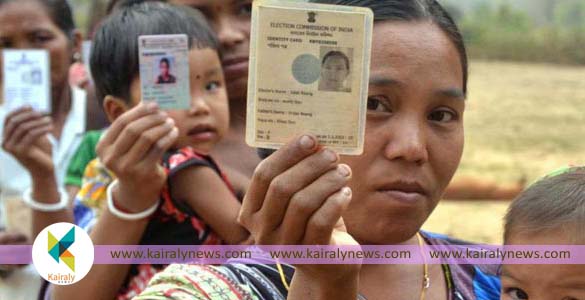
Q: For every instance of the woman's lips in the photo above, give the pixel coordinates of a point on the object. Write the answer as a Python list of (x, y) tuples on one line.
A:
[(235, 67), (403, 192), (403, 197)]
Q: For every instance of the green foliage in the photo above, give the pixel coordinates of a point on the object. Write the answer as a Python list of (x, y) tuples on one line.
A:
[(508, 34), (571, 14)]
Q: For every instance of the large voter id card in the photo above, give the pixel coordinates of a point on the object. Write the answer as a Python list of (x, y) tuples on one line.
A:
[(164, 70), (309, 73), (26, 80)]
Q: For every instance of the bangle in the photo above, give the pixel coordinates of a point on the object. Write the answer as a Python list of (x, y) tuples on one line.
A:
[(123, 215), (46, 207)]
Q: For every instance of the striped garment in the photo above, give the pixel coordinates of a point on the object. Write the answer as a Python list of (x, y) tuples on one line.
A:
[(262, 281)]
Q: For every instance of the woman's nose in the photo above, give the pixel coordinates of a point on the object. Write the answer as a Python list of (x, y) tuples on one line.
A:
[(407, 141), (228, 33)]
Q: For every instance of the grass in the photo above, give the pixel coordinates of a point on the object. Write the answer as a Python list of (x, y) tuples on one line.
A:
[(522, 121)]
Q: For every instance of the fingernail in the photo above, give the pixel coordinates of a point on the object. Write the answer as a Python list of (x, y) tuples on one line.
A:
[(175, 132), (170, 121), (330, 155), (307, 142), (344, 170), (151, 106), (346, 191)]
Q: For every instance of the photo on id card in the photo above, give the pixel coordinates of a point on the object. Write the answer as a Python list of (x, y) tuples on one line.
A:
[(26, 80), (164, 70), (309, 73)]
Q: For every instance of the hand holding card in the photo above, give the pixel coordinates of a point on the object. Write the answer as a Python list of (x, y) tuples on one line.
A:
[(25, 137)]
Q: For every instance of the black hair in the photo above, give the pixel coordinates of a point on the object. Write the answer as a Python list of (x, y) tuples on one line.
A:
[(60, 13), (555, 202), (164, 60), (119, 4), (414, 10), (336, 54), (114, 56)]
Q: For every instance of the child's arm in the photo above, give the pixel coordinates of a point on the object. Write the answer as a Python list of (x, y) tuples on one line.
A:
[(206, 193), (132, 149)]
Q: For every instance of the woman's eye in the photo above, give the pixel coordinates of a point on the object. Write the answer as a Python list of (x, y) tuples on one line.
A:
[(245, 9), (41, 38), (376, 104), (517, 294), (442, 116), (212, 86)]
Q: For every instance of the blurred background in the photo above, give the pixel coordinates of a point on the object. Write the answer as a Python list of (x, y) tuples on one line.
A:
[(526, 104)]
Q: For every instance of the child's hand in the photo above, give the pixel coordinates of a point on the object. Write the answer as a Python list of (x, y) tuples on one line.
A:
[(25, 138), (132, 149)]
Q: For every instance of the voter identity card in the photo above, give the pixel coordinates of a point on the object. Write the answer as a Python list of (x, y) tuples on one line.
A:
[(164, 70), (309, 73), (26, 80)]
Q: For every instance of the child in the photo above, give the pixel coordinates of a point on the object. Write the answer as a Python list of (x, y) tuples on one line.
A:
[(550, 212), (197, 205)]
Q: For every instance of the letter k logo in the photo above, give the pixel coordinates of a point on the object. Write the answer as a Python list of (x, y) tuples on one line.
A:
[(58, 249)]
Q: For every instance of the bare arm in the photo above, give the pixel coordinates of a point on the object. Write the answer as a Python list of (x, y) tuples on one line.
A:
[(131, 149), (206, 193), (25, 138), (100, 276), (45, 190)]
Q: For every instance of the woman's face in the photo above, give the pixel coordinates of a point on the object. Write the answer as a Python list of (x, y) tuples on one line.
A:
[(414, 132), (230, 19), (27, 25), (334, 72)]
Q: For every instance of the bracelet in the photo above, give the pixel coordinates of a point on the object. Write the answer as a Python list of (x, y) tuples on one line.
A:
[(123, 215), (46, 207)]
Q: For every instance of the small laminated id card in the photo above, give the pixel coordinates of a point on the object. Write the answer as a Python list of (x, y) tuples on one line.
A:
[(309, 73), (26, 80), (164, 70)]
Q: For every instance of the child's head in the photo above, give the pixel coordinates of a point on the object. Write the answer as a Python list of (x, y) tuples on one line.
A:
[(115, 68), (550, 212)]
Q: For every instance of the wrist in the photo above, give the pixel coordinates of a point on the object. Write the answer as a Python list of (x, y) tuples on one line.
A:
[(45, 189), (328, 286), (42, 173), (133, 200), (336, 278)]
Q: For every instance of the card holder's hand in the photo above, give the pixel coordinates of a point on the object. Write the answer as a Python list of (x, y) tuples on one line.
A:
[(132, 149), (25, 138), (297, 197)]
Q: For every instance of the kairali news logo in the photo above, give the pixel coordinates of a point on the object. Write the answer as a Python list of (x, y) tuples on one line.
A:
[(62, 253)]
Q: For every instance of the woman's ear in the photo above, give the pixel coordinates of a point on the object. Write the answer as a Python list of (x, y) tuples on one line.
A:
[(114, 107)]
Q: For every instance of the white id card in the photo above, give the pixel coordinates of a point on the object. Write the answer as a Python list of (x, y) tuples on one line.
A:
[(26, 80), (309, 73), (164, 70)]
